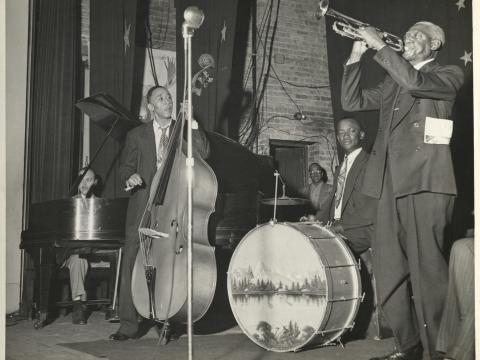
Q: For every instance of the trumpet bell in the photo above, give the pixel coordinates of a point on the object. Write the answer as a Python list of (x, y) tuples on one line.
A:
[(322, 8), (347, 26)]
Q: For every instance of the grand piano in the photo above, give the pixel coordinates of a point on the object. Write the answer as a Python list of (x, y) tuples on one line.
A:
[(99, 224), (92, 224), (74, 224)]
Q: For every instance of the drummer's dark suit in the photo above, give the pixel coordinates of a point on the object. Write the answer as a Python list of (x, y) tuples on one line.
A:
[(358, 210), (415, 185), (139, 156)]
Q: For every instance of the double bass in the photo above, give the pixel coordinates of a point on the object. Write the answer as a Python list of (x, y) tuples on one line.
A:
[(159, 278)]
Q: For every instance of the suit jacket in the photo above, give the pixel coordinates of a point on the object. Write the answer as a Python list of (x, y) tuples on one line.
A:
[(139, 156), (358, 210), (405, 98)]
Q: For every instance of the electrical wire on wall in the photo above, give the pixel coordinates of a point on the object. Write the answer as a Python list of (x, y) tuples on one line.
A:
[(253, 126), (249, 123), (254, 134)]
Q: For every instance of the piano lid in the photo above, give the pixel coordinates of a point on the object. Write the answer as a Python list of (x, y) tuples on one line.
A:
[(104, 110)]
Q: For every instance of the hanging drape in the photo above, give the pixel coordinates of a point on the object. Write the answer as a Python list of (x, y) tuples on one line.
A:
[(54, 122), (396, 16), (112, 50), (216, 37)]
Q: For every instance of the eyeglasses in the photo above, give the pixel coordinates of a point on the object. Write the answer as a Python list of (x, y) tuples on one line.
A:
[(315, 172)]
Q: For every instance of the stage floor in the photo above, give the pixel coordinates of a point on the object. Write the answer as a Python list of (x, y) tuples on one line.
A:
[(62, 340)]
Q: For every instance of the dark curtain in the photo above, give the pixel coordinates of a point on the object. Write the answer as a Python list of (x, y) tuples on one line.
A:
[(216, 37), (396, 16), (54, 123), (112, 50)]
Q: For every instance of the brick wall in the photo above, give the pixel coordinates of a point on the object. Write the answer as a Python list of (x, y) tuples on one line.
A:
[(299, 61)]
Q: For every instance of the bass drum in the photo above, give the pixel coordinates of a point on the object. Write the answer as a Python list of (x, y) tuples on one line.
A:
[(293, 285)]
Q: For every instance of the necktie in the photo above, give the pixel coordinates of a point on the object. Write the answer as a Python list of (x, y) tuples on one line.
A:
[(341, 182), (162, 145)]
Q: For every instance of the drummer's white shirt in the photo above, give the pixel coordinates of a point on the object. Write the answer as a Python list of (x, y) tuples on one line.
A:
[(351, 159)]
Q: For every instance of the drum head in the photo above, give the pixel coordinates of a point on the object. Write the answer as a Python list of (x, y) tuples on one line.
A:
[(277, 287)]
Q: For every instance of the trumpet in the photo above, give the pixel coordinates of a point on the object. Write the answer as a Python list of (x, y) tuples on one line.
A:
[(346, 26)]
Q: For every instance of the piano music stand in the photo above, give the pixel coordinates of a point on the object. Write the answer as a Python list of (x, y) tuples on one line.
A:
[(111, 116)]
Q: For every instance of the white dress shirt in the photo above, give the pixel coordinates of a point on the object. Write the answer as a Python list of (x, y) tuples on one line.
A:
[(420, 64), (350, 158), (158, 130)]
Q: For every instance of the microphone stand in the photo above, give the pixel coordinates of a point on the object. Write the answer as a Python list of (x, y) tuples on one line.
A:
[(187, 33)]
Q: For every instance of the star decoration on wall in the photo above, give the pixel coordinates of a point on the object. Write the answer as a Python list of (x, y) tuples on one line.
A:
[(467, 57), (126, 36), (460, 4), (224, 31)]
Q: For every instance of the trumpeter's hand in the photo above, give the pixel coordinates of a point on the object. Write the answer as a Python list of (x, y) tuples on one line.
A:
[(371, 37)]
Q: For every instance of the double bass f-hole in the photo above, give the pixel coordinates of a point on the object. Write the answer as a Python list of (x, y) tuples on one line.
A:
[(178, 247)]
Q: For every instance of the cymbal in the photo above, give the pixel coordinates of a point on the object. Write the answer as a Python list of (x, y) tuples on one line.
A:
[(285, 201)]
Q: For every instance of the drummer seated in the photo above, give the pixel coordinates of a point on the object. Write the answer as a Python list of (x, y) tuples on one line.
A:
[(73, 258), (318, 191)]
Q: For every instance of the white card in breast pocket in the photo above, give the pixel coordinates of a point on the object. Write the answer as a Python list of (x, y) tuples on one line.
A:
[(438, 131)]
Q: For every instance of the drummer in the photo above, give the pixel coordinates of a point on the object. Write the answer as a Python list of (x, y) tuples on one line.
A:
[(350, 211), (318, 191)]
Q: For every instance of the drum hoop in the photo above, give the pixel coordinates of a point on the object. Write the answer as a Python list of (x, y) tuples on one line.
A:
[(328, 276), (353, 313)]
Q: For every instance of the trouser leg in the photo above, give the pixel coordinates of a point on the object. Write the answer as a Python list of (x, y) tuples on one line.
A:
[(424, 217), (456, 333), (78, 268), (128, 314), (359, 239), (390, 266)]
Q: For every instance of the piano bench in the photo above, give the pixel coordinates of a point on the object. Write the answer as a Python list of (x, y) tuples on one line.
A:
[(99, 281)]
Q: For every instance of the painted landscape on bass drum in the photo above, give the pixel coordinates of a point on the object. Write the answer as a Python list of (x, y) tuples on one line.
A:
[(278, 294)]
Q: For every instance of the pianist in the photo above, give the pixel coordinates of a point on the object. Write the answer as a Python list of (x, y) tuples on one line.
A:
[(76, 264)]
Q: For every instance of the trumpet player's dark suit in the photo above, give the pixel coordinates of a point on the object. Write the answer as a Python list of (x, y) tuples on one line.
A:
[(415, 185), (357, 209)]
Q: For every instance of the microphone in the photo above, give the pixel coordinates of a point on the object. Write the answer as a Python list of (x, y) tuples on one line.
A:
[(193, 19)]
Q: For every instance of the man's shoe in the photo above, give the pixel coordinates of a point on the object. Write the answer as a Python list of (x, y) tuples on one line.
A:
[(176, 331), (118, 336), (414, 353)]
